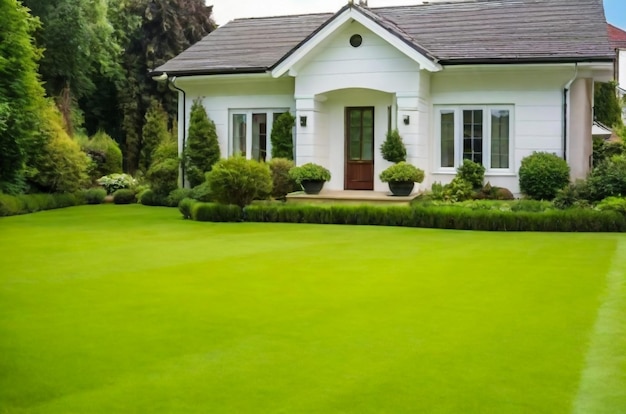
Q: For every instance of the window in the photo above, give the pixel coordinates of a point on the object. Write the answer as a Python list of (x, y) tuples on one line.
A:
[(250, 132), (478, 133)]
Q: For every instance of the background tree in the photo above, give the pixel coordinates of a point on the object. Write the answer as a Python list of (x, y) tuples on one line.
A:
[(21, 94), (153, 133), (163, 173), (202, 149), (393, 148), (607, 105), (282, 136)]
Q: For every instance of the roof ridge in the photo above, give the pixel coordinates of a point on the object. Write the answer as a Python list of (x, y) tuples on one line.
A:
[(279, 16)]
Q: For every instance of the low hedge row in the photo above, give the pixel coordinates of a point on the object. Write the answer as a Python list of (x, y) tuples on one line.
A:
[(440, 217), (30, 203)]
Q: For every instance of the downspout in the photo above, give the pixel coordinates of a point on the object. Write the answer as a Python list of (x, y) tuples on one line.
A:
[(172, 84), (566, 96)]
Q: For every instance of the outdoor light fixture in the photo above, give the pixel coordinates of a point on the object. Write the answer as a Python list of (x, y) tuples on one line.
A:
[(406, 119), (303, 121)]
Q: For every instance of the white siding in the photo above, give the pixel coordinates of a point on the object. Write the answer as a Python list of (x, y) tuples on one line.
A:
[(221, 95), (377, 65), (536, 94)]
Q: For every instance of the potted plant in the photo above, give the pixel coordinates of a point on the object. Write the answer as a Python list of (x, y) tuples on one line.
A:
[(402, 178), (310, 176)]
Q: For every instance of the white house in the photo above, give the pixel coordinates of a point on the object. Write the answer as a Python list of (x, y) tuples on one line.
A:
[(488, 80)]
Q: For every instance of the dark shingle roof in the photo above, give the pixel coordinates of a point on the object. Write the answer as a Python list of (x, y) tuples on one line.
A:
[(451, 32)]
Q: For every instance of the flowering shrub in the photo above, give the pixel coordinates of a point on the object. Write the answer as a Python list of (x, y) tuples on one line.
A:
[(114, 182)]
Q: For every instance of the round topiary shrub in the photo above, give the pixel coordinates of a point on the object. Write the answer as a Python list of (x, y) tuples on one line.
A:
[(309, 172), (124, 196), (402, 172), (542, 175), (239, 181), (151, 198), (95, 195), (283, 184)]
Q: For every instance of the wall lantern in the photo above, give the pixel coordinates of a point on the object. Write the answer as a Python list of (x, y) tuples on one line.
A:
[(406, 119), (303, 121)]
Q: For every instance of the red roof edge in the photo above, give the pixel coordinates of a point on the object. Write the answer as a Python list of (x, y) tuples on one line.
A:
[(617, 37)]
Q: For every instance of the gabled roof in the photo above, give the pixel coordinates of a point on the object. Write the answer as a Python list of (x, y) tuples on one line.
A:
[(617, 37), (478, 31)]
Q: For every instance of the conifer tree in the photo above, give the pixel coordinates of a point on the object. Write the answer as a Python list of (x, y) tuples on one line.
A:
[(154, 132), (282, 136), (202, 149)]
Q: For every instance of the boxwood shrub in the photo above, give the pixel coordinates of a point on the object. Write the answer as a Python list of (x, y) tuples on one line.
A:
[(30, 203), (124, 196), (95, 195), (216, 212)]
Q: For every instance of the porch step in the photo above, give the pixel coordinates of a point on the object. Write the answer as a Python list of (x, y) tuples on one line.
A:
[(352, 197)]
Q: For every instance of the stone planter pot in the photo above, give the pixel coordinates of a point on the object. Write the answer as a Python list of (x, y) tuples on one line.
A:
[(312, 186), (401, 188)]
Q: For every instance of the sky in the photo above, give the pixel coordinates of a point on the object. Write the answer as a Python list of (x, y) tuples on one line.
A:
[(226, 10)]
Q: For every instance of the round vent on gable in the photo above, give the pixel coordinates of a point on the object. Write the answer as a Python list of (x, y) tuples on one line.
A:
[(356, 40)]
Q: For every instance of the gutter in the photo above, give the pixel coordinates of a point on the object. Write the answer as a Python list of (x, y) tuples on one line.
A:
[(171, 82), (566, 98)]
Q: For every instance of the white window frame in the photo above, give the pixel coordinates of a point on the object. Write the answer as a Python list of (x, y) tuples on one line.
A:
[(269, 116), (458, 137)]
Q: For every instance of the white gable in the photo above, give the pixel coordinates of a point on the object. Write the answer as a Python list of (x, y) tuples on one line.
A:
[(349, 17), (336, 64)]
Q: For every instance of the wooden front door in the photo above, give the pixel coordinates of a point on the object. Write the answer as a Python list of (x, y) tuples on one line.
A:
[(359, 167)]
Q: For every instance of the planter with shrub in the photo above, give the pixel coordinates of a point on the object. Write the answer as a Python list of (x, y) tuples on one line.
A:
[(310, 176), (402, 178)]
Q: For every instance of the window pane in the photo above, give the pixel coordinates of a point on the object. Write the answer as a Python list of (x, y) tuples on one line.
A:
[(473, 135), (447, 138), (368, 144), (259, 136), (500, 123), (355, 143), (368, 118), (239, 134)]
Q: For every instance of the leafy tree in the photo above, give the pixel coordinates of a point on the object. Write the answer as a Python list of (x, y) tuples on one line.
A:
[(607, 105), (239, 181), (153, 133), (163, 173), (202, 149), (282, 136), (21, 93), (393, 148)]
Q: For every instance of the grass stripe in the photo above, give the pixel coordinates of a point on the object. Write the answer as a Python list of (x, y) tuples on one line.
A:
[(602, 386)]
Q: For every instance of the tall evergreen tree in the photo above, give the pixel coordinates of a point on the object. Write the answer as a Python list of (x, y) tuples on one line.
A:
[(607, 105), (282, 136), (21, 93), (202, 149), (153, 133)]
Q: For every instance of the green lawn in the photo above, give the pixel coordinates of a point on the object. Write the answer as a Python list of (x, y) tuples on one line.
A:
[(115, 309)]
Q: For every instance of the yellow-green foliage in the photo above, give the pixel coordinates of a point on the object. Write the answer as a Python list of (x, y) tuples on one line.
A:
[(104, 152), (61, 166)]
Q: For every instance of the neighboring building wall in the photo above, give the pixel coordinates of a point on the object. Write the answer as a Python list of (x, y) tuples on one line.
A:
[(536, 94)]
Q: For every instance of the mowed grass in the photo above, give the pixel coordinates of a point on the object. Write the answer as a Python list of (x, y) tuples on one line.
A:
[(129, 309)]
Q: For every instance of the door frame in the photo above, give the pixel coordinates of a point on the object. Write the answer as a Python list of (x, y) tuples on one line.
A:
[(346, 139)]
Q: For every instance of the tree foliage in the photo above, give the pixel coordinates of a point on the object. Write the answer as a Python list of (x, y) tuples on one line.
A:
[(21, 93), (607, 105), (393, 149), (153, 133), (282, 136), (239, 181), (202, 150), (163, 172)]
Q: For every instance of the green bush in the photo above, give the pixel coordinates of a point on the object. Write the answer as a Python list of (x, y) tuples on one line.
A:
[(239, 181), (458, 190), (95, 195), (104, 152), (185, 206), (175, 196), (29, 203), (393, 149), (533, 206), (608, 179), (575, 194), (402, 172), (617, 204), (310, 172), (281, 182), (216, 212), (201, 192), (442, 217), (163, 176), (605, 150), (282, 136), (124, 196), (151, 198), (203, 149), (154, 132), (542, 175), (472, 172), (114, 182)]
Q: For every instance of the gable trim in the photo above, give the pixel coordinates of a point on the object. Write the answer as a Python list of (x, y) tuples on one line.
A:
[(347, 13)]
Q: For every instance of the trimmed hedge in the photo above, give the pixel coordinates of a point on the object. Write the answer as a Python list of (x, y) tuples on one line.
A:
[(124, 196), (31, 203), (216, 212), (574, 220)]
